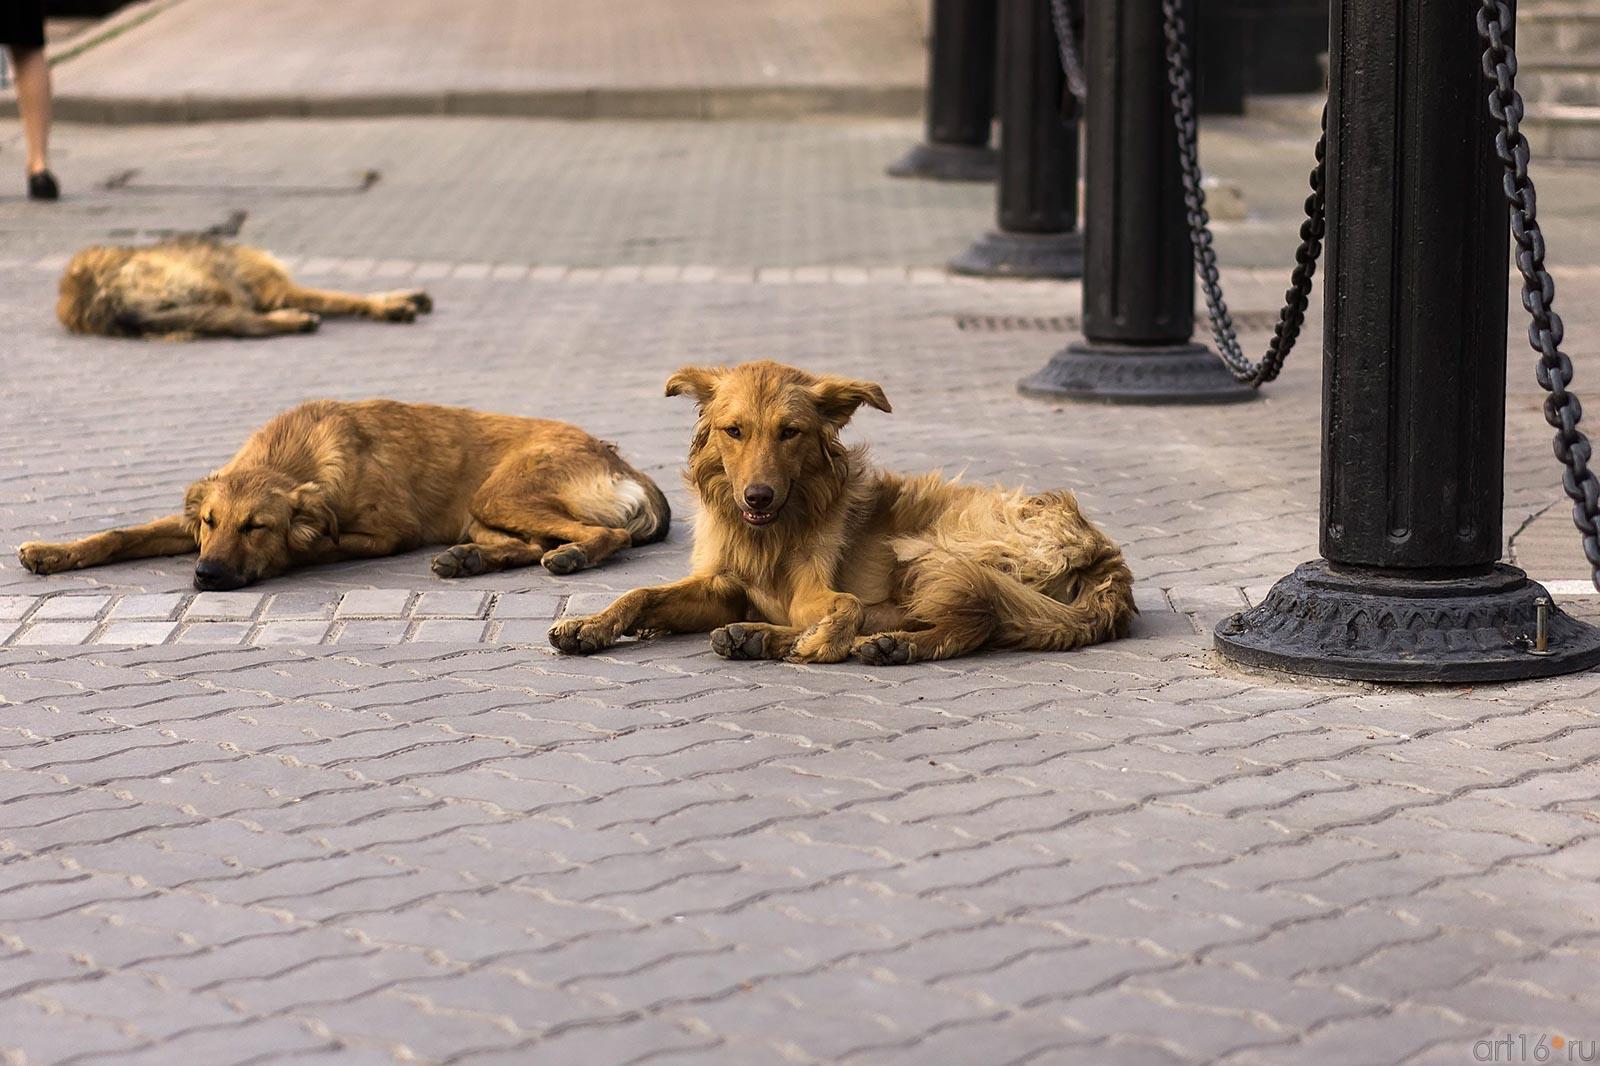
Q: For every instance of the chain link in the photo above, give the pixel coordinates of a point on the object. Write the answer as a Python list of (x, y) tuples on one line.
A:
[(1561, 408), (1293, 316), (1067, 42)]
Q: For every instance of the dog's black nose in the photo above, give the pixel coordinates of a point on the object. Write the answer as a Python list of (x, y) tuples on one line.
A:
[(211, 576), (758, 497)]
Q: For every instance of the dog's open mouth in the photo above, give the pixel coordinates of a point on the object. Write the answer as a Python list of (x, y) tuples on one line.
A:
[(758, 518)]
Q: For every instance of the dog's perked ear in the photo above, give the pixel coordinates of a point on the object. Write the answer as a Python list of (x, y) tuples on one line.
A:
[(837, 398), (312, 519), (697, 381)]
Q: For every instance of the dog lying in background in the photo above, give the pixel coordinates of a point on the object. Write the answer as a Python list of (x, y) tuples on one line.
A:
[(328, 481), (198, 286), (803, 552)]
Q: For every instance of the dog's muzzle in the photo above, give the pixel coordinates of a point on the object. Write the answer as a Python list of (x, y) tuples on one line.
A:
[(214, 577)]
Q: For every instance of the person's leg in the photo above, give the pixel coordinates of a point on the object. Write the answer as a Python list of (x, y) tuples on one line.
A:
[(32, 75)]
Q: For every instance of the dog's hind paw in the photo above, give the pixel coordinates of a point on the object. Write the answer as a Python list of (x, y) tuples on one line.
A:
[(884, 649), (39, 558), (567, 559), (581, 636), (402, 306), (463, 560), (292, 320)]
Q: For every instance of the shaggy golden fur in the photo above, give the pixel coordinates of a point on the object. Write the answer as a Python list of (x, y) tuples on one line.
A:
[(802, 551), (198, 286), (327, 481)]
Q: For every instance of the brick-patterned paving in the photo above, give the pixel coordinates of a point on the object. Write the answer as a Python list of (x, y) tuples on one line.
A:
[(359, 814), (492, 854)]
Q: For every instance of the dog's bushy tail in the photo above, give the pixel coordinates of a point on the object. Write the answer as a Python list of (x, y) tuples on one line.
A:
[(1093, 603), (651, 520), (622, 500)]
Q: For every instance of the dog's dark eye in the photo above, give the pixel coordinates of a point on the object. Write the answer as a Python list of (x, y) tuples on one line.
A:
[(732, 431), (788, 433), (251, 527), (210, 521)]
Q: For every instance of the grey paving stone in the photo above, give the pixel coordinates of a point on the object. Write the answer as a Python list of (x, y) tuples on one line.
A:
[(526, 605), (214, 633), (292, 631), (300, 605), (54, 633), (373, 603), (153, 606), (14, 608), (448, 631), (584, 603), (61, 608), (136, 633), (522, 631), (451, 605), (371, 632), (222, 606)]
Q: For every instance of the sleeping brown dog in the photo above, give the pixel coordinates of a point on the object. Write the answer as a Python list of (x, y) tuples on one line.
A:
[(802, 551), (328, 481), (198, 286)]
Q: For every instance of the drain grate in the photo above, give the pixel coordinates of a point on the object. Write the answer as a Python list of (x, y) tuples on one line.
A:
[(227, 228), (1246, 321), (130, 181), (1016, 323)]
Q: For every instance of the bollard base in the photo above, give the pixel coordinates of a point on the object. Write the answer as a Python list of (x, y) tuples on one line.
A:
[(1126, 373), (1023, 255), (947, 162), (1378, 626)]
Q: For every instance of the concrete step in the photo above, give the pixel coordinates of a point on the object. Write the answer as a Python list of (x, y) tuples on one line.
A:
[(1565, 34), (1569, 86), (1558, 45), (1563, 131)]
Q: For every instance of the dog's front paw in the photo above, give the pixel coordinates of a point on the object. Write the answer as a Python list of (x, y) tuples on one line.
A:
[(567, 559), (47, 558), (884, 649), (582, 636), (463, 560), (743, 640)]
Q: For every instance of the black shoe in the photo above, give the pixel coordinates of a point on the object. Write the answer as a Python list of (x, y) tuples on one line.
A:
[(42, 186)]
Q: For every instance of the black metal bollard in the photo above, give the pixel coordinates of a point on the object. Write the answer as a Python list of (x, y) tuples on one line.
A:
[(961, 72), (1409, 587), (1037, 234), (1138, 290)]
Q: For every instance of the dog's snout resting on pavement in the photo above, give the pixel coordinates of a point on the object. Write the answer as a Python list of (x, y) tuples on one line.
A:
[(803, 551), (328, 481), (199, 286)]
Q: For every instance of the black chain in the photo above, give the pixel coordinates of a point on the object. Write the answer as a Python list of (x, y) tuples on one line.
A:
[(1561, 408), (1293, 315), (1067, 42)]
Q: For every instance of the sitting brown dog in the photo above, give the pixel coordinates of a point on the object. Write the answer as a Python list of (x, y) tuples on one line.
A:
[(198, 286), (328, 481), (802, 551)]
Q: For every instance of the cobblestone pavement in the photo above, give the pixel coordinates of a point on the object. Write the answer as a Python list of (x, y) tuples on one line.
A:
[(434, 840)]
